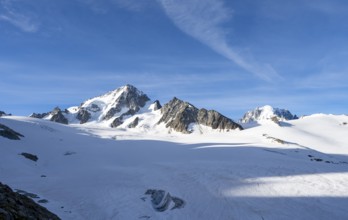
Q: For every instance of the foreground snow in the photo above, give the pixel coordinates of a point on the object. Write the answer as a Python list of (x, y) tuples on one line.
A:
[(296, 171)]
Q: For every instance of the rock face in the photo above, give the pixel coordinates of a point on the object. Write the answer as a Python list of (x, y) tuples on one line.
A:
[(134, 123), (57, 116), (2, 113), (180, 115), (267, 113), (83, 115), (38, 115), (15, 206), (156, 105), (8, 133)]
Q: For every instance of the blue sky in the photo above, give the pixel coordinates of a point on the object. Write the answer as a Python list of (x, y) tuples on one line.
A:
[(228, 55)]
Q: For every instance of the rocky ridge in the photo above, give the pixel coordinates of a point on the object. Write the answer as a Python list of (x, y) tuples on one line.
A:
[(129, 103), (16, 206), (180, 115), (8, 133), (2, 113)]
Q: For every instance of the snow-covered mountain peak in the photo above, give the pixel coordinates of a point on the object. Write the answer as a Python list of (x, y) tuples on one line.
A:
[(110, 108), (267, 112)]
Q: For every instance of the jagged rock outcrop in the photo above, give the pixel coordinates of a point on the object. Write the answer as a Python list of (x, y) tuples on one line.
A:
[(162, 200), (16, 206), (57, 116), (134, 123), (2, 113), (38, 115), (83, 115), (117, 122), (180, 115), (156, 105), (30, 156), (267, 113), (8, 133)]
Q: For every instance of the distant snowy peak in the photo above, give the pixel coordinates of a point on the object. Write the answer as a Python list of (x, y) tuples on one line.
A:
[(267, 113), (111, 108), (126, 100)]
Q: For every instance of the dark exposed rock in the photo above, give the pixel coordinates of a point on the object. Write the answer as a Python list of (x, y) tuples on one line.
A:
[(134, 123), (112, 112), (178, 115), (57, 116), (43, 201), (68, 153), (117, 122), (161, 200), (94, 108), (38, 115), (7, 132), (16, 206), (83, 115), (30, 156), (215, 120), (27, 194), (157, 105), (2, 113)]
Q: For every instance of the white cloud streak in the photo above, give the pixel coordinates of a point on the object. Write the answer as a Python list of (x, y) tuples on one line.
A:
[(203, 20), (21, 21)]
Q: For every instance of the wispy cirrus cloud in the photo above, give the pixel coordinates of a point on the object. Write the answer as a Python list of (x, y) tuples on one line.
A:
[(18, 19), (203, 20)]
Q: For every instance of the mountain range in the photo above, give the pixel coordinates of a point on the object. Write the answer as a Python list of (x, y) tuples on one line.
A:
[(127, 108), (124, 156)]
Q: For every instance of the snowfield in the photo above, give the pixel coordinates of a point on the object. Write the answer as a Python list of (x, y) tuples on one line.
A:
[(298, 170)]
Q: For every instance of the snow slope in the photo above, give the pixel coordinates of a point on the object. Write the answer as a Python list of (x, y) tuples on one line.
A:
[(294, 171)]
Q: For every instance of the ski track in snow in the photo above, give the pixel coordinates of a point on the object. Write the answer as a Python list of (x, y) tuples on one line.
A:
[(231, 175)]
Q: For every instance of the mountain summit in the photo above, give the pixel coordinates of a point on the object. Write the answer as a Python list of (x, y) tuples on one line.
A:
[(182, 116), (110, 108), (129, 108), (267, 112)]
